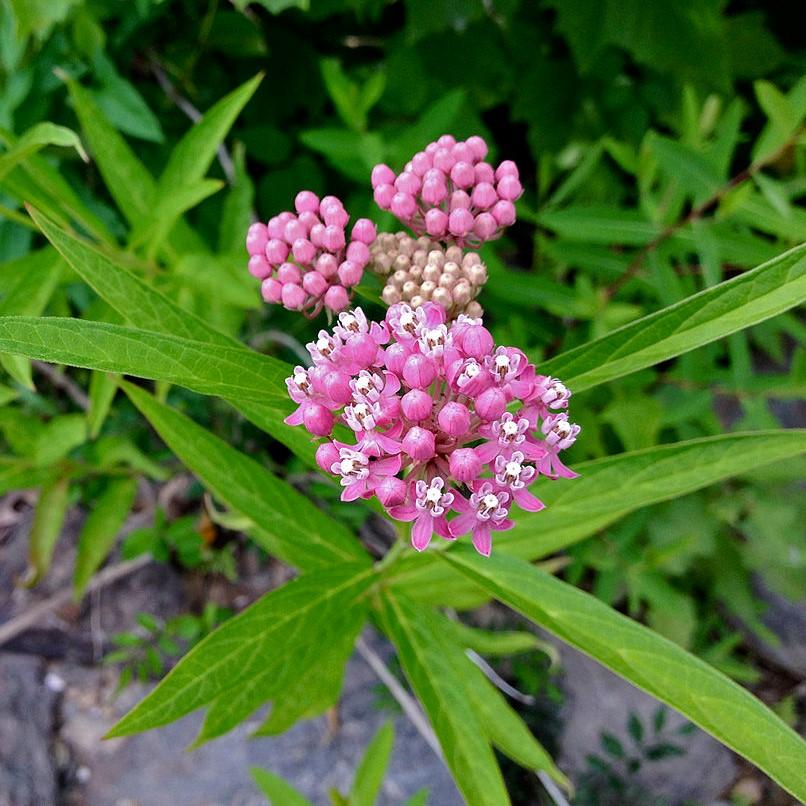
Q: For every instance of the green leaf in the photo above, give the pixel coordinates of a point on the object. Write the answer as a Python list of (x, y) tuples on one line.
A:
[(273, 6), (18, 474), (430, 666), (752, 297), (225, 371), (256, 644), (785, 114), (693, 171), (419, 798), (600, 224), (372, 769), (100, 530), (46, 528), (635, 728), (286, 523), (495, 643), (277, 791), (648, 661), (35, 139), (103, 386)]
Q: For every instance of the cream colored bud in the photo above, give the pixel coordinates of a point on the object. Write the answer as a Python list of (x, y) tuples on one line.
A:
[(461, 293), (474, 309), (410, 289), (402, 262), (442, 296), (432, 272), (400, 277), (416, 301), (390, 295), (454, 254), (447, 281), (452, 269), (471, 259), (407, 246), (477, 274), (424, 242), (427, 289), (436, 257), (419, 258), (416, 272), (382, 264)]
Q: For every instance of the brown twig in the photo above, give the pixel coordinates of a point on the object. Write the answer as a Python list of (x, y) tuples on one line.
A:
[(62, 381), (696, 213)]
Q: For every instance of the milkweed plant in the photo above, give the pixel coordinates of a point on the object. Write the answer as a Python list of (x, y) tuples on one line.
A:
[(407, 407)]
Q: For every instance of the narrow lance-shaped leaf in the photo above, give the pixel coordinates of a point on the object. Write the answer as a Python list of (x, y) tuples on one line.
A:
[(97, 537), (35, 139), (750, 298), (429, 666), (705, 696), (103, 386), (227, 372), (265, 633), (372, 769), (278, 791), (286, 523), (579, 508), (48, 519)]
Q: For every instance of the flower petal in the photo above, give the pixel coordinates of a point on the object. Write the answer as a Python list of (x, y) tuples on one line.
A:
[(422, 530), (525, 500), (463, 524), (482, 539), (354, 491)]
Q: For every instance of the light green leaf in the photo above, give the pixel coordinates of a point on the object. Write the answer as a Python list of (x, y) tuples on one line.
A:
[(277, 791), (58, 437), (430, 667), (752, 297), (372, 769), (100, 529), (19, 474), (784, 112), (35, 139), (419, 798), (225, 371), (695, 173), (492, 642), (48, 519), (103, 386), (286, 523), (264, 635), (599, 224), (654, 664)]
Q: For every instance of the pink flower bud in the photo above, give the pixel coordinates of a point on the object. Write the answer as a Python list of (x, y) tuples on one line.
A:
[(395, 357), (509, 188), (504, 213), (446, 141), (462, 174), (484, 195), (506, 168), (478, 146), (275, 227), (484, 172), (434, 191), (485, 226), (316, 235), (383, 196), (289, 273), (327, 454), (463, 153), (259, 267), (317, 419), (431, 149), (421, 162), (308, 220), (362, 348), (271, 290), (408, 182), (337, 387), (293, 231), (390, 410), (358, 253), (460, 200), (327, 265), (293, 296), (391, 491), (334, 214), (419, 371), (403, 205), (454, 419), (491, 403), (276, 251), (416, 404), (443, 159), (306, 202), (460, 222), (314, 283), (419, 444), (333, 238), (464, 465), (364, 231), (475, 341), (436, 223), (317, 377), (257, 237), (350, 273), (337, 298), (382, 175), (304, 251)]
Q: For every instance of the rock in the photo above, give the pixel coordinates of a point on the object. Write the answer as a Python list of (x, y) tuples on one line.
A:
[(598, 701), (28, 776)]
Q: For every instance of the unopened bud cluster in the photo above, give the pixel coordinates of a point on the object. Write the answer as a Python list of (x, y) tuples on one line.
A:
[(419, 270)]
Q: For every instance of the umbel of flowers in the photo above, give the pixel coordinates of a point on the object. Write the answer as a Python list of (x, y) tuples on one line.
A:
[(449, 431)]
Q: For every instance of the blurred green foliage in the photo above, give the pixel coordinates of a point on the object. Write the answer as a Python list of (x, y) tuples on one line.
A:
[(662, 147)]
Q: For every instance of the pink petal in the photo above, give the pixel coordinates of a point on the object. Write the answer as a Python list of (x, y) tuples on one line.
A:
[(533, 451), (525, 500), (388, 445), (295, 418), (421, 531), (386, 467), (404, 512), (561, 470), (354, 490), (487, 451), (463, 524), (482, 539), (442, 528)]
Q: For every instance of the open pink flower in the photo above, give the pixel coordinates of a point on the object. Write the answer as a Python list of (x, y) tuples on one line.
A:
[(427, 508), (360, 474), (487, 510)]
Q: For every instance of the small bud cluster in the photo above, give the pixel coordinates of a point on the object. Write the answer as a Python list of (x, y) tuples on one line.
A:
[(443, 421), (449, 192), (305, 261), (420, 270)]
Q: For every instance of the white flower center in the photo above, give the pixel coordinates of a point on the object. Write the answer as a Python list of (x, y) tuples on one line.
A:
[(489, 503), (408, 321), (472, 369), (513, 470), (432, 495), (323, 345), (509, 429), (562, 429)]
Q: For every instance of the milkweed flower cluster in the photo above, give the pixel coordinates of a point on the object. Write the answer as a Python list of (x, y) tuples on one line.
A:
[(449, 192), (448, 430), (421, 270), (304, 260)]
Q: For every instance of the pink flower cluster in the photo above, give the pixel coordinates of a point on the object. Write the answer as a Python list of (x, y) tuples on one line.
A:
[(444, 422), (305, 260), (449, 192)]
